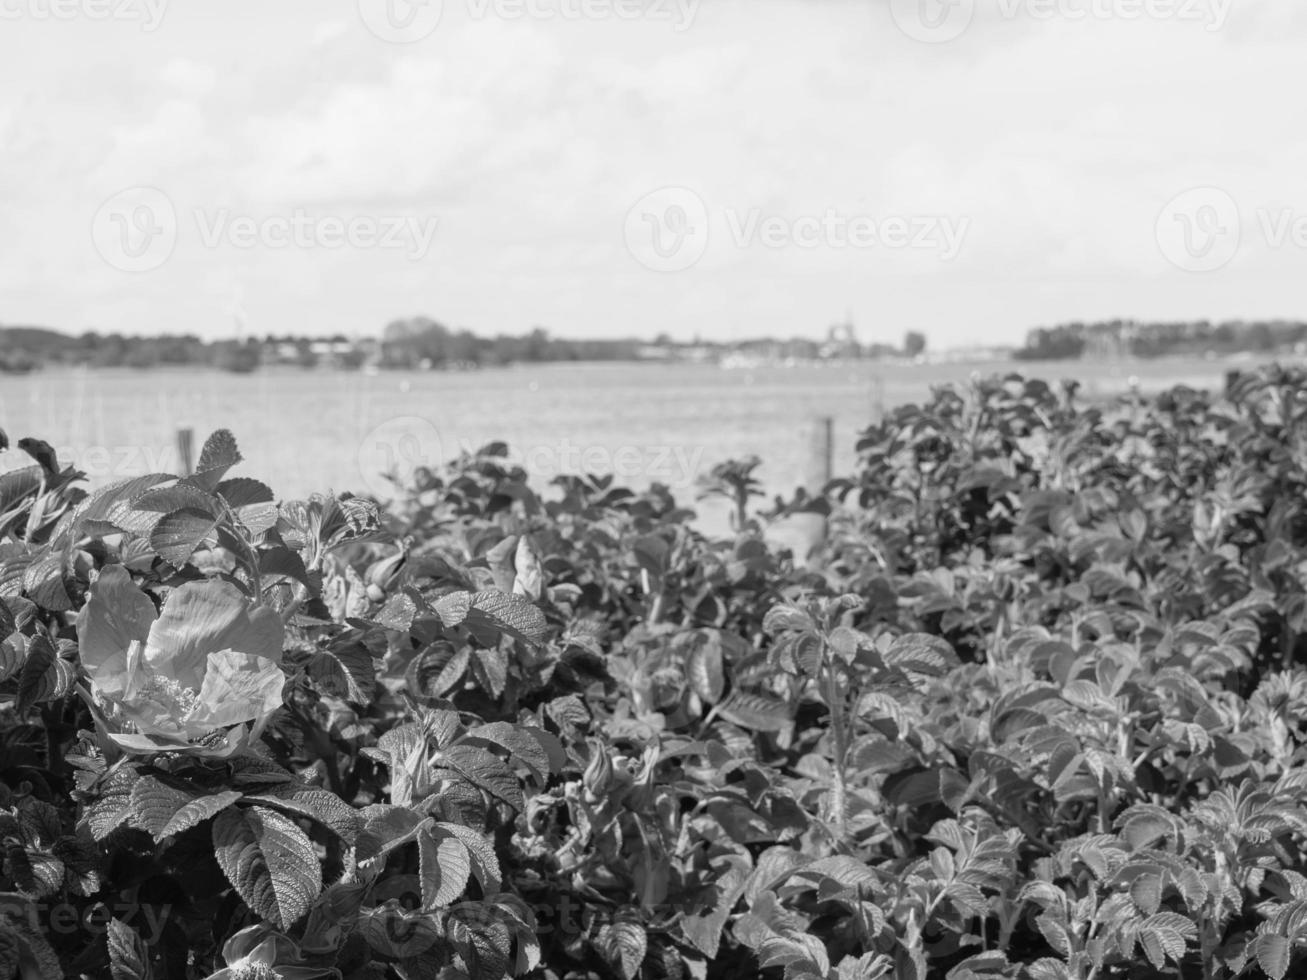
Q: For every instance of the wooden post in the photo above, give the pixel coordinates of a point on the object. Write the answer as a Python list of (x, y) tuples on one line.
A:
[(823, 446), (185, 444)]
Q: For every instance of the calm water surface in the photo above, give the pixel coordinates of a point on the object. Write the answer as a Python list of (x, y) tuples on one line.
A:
[(307, 431)]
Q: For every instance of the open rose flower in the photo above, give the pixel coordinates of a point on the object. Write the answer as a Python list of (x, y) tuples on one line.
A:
[(201, 678)]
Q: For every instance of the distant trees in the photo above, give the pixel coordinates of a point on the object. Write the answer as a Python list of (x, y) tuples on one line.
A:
[(914, 343), (1127, 337), (422, 342)]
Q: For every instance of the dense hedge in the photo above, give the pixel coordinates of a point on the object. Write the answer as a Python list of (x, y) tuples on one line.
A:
[(1036, 710)]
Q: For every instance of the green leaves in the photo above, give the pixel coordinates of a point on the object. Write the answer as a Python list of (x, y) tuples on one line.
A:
[(270, 862)]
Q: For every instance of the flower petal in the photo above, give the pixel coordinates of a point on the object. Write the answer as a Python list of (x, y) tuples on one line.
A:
[(117, 614), (238, 687), (201, 618)]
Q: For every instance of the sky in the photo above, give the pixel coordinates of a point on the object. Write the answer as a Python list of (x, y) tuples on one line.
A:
[(612, 168)]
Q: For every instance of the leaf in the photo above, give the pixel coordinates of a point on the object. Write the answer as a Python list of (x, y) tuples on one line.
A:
[(485, 866), (703, 668), (453, 607), (177, 535), (43, 580), (270, 861), (623, 945), (129, 957), (445, 867), (397, 614), (198, 811), (320, 805), (344, 670), (921, 653), (539, 750), (485, 771), (7, 623), (252, 502), (1273, 954), (756, 712), (216, 458), (782, 617), (41, 678), (163, 809), (114, 803), (42, 452), (503, 612)]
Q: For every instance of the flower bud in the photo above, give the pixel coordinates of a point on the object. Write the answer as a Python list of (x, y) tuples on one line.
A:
[(383, 573), (598, 776), (641, 797)]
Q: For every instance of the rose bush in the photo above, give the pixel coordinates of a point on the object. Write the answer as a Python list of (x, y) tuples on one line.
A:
[(202, 677)]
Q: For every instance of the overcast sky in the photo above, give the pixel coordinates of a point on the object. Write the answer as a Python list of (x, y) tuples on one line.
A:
[(725, 168)]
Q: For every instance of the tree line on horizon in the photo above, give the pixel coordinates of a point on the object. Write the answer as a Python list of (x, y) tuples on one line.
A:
[(416, 343)]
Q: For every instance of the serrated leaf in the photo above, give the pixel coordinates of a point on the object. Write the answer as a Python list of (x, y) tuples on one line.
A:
[(320, 805), (162, 809), (921, 653), (252, 502), (756, 712), (453, 607), (623, 945), (1273, 953), (197, 811), (485, 866), (129, 957), (445, 868), (216, 458), (344, 670), (537, 749), (703, 669), (270, 861), (485, 771), (177, 535), (504, 612), (783, 617), (113, 805), (45, 675)]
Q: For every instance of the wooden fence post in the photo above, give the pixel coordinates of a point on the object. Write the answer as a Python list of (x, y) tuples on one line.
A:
[(185, 444)]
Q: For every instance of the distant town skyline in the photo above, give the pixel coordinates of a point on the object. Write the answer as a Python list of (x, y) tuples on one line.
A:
[(716, 168)]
